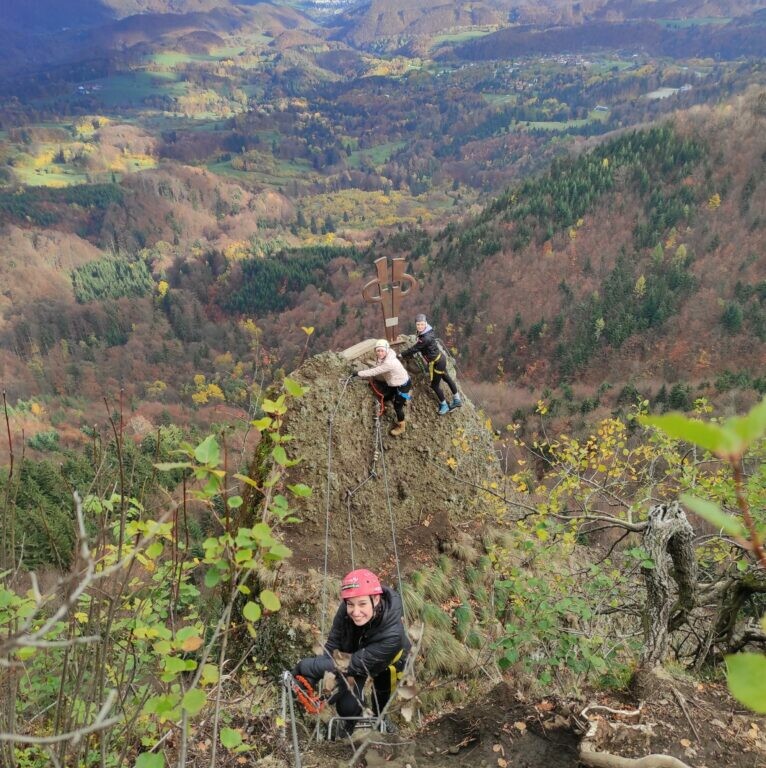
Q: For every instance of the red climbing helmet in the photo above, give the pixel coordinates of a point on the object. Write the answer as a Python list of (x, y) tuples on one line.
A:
[(360, 583)]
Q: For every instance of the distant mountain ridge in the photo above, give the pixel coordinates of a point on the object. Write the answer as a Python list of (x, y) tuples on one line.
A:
[(30, 38), (741, 37)]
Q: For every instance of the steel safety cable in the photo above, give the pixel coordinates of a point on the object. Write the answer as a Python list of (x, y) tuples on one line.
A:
[(393, 525)]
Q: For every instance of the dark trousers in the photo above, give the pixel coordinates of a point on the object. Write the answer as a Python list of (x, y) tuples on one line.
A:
[(348, 701), (395, 394), (436, 382)]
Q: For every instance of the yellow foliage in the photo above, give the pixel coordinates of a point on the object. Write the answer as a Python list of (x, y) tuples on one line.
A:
[(249, 327), (214, 392), (162, 288), (199, 380), (237, 250), (714, 201), (37, 409), (156, 388), (224, 360), (43, 158)]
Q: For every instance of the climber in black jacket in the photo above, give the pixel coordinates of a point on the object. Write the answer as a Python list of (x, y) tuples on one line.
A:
[(428, 346), (369, 626)]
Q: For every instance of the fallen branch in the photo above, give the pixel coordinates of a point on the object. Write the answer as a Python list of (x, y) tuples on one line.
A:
[(589, 755)]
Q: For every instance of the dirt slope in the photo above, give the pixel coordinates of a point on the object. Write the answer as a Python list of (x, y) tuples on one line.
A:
[(430, 479)]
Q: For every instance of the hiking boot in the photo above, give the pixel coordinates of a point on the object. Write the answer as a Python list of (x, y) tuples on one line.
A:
[(443, 408), (456, 402), (398, 429)]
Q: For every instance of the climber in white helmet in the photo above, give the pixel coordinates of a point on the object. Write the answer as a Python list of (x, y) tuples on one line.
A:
[(391, 380)]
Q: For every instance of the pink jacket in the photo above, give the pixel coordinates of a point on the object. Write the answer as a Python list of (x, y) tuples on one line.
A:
[(390, 370)]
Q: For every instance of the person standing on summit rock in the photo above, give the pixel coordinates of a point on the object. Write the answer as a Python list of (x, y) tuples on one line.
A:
[(428, 346), (394, 382)]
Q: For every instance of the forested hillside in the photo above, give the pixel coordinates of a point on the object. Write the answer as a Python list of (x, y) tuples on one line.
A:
[(633, 267)]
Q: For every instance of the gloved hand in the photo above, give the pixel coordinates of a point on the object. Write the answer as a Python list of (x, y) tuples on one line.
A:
[(329, 681)]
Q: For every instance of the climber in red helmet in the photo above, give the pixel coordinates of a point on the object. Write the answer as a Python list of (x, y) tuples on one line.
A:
[(368, 625)]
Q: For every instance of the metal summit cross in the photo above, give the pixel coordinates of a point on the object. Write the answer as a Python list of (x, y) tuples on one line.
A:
[(389, 292)]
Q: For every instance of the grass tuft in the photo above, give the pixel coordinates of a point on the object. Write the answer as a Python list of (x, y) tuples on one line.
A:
[(434, 616), (444, 654), (464, 620), (438, 585), (413, 600)]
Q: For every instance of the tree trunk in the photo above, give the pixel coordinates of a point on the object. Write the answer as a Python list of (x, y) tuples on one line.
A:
[(668, 540)]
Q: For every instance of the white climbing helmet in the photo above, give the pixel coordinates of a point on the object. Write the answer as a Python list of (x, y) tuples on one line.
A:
[(382, 344)]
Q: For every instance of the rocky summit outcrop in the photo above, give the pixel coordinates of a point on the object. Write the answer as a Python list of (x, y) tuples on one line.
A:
[(428, 484)]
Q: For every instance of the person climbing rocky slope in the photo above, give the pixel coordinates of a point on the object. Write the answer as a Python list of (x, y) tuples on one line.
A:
[(425, 484)]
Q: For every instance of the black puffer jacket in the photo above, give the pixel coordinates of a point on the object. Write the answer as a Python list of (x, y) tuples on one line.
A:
[(427, 344), (372, 647)]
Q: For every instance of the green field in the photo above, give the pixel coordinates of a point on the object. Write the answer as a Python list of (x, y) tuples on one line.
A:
[(461, 37), (552, 125), (129, 89), (376, 155), (500, 99), (280, 174), (701, 21)]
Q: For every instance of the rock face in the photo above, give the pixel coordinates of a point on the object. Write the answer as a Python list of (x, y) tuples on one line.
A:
[(425, 483)]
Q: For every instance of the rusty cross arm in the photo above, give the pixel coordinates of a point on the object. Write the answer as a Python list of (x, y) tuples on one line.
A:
[(388, 292)]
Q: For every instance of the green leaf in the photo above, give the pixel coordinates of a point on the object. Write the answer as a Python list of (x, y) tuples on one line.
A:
[(280, 552), (712, 437), (208, 452), (248, 480), (173, 665), (750, 427), (212, 577), (209, 674), (300, 490), (234, 502), (230, 738), (279, 455), (277, 407), (186, 632), (713, 514), (261, 533), (252, 611), (270, 601), (193, 701), (167, 466), (154, 550), (164, 706), (746, 675), (261, 424), (294, 388), (150, 760)]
